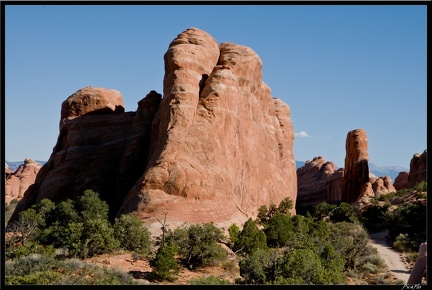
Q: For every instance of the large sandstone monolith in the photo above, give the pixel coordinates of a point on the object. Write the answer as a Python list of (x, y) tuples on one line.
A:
[(215, 148), (221, 145), (356, 170), (16, 183)]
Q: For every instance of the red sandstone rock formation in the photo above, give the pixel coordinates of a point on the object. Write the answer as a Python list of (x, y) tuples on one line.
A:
[(356, 170), (16, 183), (401, 181), (221, 145), (216, 148), (318, 181), (104, 149), (416, 174), (418, 167)]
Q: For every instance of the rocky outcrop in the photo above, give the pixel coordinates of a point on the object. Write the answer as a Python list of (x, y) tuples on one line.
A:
[(100, 147), (16, 183), (221, 145), (356, 170), (401, 181), (416, 174), (418, 167), (318, 181), (213, 149)]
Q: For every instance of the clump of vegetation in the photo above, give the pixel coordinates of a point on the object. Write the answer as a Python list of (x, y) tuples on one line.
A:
[(164, 265), (80, 227), (209, 280), (198, 244), (41, 269)]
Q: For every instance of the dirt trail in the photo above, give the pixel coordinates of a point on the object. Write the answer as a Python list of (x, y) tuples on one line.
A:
[(390, 256)]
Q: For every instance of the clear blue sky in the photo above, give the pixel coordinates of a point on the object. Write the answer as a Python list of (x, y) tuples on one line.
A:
[(339, 68)]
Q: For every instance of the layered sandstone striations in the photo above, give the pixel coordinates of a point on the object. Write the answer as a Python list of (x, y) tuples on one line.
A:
[(221, 145), (16, 183), (213, 149)]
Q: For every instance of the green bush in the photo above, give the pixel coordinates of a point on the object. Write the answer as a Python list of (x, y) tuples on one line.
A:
[(46, 270), (409, 219), (278, 230), (250, 239), (233, 232), (303, 265), (198, 244), (254, 267), (421, 186), (350, 242), (132, 234), (164, 265)]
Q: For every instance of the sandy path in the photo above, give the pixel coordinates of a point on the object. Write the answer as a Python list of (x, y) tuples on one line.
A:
[(390, 256)]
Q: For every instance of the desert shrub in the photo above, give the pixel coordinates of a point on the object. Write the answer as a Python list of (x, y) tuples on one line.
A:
[(81, 227), (132, 234), (303, 266), (250, 239), (374, 217), (197, 244), (350, 242), (164, 265), (410, 220), (46, 270), (278, 230), (209, 280), (12, 252), (264, 213), (233, 232), (97, 238), (421, 186), (344, 212), (254, 267), (322, 210)]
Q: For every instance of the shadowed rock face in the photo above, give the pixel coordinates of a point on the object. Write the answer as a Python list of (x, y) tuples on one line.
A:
[(213, 149), (318, 182), (418, 167), (356, 170), (99, 147), (416, 174)]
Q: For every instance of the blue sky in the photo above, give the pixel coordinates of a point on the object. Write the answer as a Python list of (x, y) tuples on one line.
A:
[(338, 67)]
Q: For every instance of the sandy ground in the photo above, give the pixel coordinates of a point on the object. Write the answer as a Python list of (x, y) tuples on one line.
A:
[(392, 258)]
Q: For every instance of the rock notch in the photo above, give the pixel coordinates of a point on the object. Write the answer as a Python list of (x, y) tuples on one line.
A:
[(213, 149)]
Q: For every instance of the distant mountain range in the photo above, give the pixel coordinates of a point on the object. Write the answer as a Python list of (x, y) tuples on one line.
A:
[(378, 171), (391, 171)]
